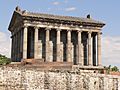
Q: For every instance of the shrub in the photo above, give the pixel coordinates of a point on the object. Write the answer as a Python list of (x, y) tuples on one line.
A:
[(4, 60)]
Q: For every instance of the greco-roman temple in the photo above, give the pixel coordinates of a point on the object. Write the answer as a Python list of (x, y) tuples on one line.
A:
[(55, 39)]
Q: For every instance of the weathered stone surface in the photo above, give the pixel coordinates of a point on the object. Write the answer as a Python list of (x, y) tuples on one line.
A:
[(39, 49), (23, 78), (60, 52), (70, 53), (49, 51)]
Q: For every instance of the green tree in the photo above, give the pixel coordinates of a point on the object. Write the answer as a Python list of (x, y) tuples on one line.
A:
[(4, 60), (110, 68), (115, 68)]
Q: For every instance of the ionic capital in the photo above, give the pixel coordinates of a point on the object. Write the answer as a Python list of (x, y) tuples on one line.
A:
[(47, 28), (79, 31), (25, 26), (89, 32), (36, 27), (58, 29), (99, 33), (68, 30)]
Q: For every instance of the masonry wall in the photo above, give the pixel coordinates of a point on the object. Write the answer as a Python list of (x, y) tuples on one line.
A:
[(31, 78)]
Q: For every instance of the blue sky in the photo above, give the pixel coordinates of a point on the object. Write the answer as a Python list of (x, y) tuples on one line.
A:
[(103, 10)]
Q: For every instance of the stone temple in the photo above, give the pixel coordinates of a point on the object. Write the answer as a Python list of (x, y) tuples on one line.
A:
[(60, 40)]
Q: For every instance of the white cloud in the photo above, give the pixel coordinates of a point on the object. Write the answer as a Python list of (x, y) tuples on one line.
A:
[(2, 37), (4, 44), (56, 3), (111, 50), (70, 9)]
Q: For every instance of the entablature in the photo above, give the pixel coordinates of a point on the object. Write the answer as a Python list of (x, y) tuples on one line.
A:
[(61, 26)]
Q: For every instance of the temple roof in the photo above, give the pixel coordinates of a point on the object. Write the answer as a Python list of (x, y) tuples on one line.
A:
[(68, 18), (25, 14)]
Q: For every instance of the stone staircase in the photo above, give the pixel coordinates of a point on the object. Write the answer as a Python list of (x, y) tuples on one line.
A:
[(46, 65)]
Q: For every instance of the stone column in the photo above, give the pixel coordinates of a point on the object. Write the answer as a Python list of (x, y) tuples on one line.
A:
[(99, 48), (47, 34), (15, 47), (69, 36), (12, 52), (40, 49), (58, 46), (21, 43), (69, 47), (82, 54), (36, 43), (48, 47), (61, 51), (80, 62), (25, 33), (89, 49), (11, 45)]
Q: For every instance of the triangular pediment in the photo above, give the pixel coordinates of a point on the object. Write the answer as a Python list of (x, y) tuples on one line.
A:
[(16, 17)]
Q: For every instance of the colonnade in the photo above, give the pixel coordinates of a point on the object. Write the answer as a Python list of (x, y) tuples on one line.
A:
[(19, 46)]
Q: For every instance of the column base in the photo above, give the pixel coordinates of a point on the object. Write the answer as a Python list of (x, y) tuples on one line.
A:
[(90, 65)]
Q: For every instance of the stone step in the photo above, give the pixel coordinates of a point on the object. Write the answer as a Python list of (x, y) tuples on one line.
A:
[(32, 61), (46, 65)]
